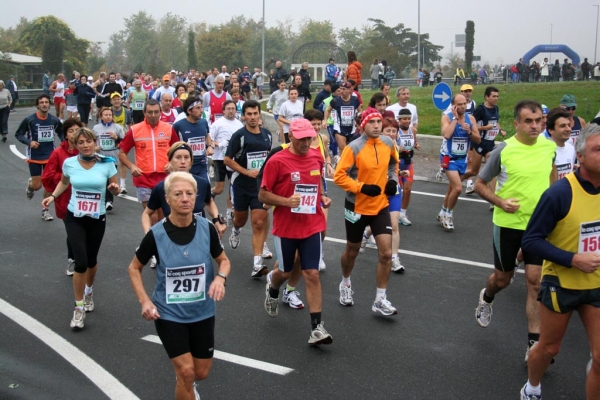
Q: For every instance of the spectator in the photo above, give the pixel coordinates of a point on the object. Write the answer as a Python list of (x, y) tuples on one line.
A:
[(519, 66), (438, 75), (354, 70), (46, 81), (390, 75), (374, 73), (585, 69), (332, 71), (544, 70), (556, 71)]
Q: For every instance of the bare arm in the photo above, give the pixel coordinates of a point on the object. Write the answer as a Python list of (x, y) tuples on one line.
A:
[(483, 190), (149, 311), (448, 126), (147, 219), (264, 196)]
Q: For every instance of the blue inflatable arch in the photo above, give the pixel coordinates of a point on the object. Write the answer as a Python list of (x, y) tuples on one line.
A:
[(552, 48)]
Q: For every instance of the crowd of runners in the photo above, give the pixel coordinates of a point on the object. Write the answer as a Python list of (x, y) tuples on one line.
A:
[(190, 134)]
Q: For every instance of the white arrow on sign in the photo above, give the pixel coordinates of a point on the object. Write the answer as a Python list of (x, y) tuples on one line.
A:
[(444, 96)]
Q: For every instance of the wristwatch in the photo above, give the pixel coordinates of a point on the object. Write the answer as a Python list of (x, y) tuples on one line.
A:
[(219, 219), (222, 275)]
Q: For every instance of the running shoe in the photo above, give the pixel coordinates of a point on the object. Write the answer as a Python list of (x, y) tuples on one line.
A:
[(439, 176), (346, 295), (234, 239), (3, 139), (292, 299), (404, 221), (229, 219), (588, 367), (448, 223), (70, 267), (29, 191), (211, 172), (440, 217), (483, 312), (78, 317), (46, 216), (529, 347), (363, 244), (491, 207), (322, 265), (266, 253), (384, 307), (320, 336), (470, 189), (153, 262), (271, 304), (109, 206), (123, 190), (196, 394), (397, 267), (525, 396), (88, 302), (258, 270)]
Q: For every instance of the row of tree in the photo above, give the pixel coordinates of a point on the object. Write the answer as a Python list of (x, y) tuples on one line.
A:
[(173, 42)]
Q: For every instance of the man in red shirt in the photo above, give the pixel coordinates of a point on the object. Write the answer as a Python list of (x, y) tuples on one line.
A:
[(168, 113), (292, 183)]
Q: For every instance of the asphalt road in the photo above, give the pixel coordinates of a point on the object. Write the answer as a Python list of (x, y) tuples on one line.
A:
[(433, 348)]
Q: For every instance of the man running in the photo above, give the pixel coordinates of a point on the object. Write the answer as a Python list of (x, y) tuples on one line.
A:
[(458, 130), (407, 144), (214, 99), (345, 106), (166, 88), (37, 131), (525, 168), (245, 155), (403, 96), (368, 172), (569, 103), (292, 183), (563, 231), (559, 129), (58, 89), (136, 100), (167, 113)]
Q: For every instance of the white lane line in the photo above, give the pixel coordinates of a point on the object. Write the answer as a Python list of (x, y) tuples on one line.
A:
[(244, 361), (127, 197), (88, 367), (16, 152)]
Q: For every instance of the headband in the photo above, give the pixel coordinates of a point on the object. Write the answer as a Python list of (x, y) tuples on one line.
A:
[(183, 146)]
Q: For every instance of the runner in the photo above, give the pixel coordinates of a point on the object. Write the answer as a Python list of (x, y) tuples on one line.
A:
[(85, 96), (277, 98), (213, 100), (525, 168), (58, 89), (563, 230), (366, 205), (85, 221), (37, 131), (403, 96), (559, 128), (138, 97), (246, 153), (459, 129), (292, 183), (194, 131), (333, 146), (220, 133), (290, 110), (183, 314), (346, 106), (71, 100), (167, 113), (569, 103), (164, 89), (407, 144), (53, 173)]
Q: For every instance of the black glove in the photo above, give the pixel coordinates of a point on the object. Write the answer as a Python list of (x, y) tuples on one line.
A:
[(370, 190), (391, 187)]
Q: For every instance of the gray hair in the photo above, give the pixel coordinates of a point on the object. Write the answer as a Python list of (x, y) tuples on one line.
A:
[(400, 89), (180, 176), (2, 82), (587, 132)]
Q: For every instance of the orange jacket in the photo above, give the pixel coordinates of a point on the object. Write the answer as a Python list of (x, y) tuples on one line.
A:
[(354, 72), (151, 146), (367, 161)]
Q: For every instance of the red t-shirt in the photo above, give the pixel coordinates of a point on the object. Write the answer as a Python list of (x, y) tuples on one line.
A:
[(286, 173), (168, 118)]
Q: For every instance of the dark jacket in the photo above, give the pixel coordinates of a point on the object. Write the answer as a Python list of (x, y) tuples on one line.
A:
[(281, 73), (84, 94)]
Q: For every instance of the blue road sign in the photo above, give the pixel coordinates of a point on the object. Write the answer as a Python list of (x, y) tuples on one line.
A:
[(441, 96)]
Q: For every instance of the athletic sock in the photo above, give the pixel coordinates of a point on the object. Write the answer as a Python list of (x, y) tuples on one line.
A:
[(122, 182), (346, 281), (79, 304), (488, 299), (257, 260), (273, 293), (380, 294), (470, 182), (403, 211), (88, 290), (449, 213), (394, 256), (535, 390), (289, 288), (535, 337), (315, 319)]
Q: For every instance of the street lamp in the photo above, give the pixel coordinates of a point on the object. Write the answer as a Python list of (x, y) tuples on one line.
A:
[(596, 42), (419, 36), (263, 39), (550, 42)]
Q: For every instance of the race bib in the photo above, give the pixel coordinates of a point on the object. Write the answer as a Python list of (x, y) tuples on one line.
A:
[(574, 135), (459, 146), (138, 104), (406, 141), (87, 204), (255, 160), (564, 169), (589, 237), (106, 142), (185, 284), (218, 116), (351, 215), (491, 134), (45, 134), (347, 116), (198, 145), (308, 199)]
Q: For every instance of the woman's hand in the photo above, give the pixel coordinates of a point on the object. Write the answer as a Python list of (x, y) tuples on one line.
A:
[(217, 289), (149, 311)]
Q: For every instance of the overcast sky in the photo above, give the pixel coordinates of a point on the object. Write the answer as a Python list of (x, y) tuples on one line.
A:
[(504, 30)]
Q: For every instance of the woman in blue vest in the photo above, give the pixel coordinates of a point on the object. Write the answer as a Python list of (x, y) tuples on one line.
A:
[(183, 304)]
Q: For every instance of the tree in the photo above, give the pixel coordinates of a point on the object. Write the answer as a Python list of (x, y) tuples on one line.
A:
[(33, 38), (9, 38), (192, 58), (53, 53), (140, 38), (469, 44), (116, 59), (96, 58), (171, 42)]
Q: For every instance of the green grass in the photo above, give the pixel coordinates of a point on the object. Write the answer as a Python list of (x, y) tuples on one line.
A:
[(587, 95)]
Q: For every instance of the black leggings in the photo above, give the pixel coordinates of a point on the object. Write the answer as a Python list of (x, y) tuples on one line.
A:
[(84, 112), (69, 249), (85, 236)]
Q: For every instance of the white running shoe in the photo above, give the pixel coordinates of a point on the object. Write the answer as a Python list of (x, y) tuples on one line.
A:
[(258, 270), (70, 267), (483, 312), (46, 216), (266, 253), (29, 192), (346, 295), (384, 307), (292, 299), (109, 206), (404, 221), (153, 262), (322, 265), (320, 336), (196, 394), (470, 190), (78, 317), (525, 396), (440, 217), (234, 239), (88, 302), (229, 218), (363, 244), (440, 175), (271, 304), (211, 172), (397, 267), (448, 223)]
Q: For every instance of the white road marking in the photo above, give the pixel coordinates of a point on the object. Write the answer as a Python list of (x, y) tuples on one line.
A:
[(96, 374), (244, 361), (16, 152)]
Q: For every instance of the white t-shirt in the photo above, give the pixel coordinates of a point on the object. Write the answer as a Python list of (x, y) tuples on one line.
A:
[(565, 160), (291, 111), (163, 90), (395, 108), (220, 132)]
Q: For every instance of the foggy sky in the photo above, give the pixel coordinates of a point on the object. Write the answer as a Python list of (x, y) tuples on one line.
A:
[(504, 30)]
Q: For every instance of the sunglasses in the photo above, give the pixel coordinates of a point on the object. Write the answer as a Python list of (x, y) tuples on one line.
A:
[(571, 108)]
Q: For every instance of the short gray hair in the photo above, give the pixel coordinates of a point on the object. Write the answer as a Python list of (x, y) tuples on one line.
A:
[(587, 132), (400, 89), (2, 82), (180, 176)]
